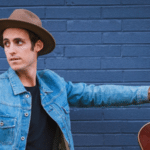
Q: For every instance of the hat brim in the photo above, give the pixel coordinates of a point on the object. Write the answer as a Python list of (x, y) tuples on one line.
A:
[(45, 36)]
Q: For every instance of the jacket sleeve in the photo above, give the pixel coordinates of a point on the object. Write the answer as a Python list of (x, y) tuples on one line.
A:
[(81, 94)]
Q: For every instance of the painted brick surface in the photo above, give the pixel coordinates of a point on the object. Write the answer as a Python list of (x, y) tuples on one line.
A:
[(4, 65), (139, 114), (99, 148), (58, 52), (87, 76), (2, 53), (126, 63), (77, 38), (126, 37), (93, 2), (41, 63), (126, 12), (88, 140), (137, 2), (30, 3), (55, 26), (135, 76), (72, 63), (5, 12), (120, 139), (97, 42), (103, 127), (136, 51), (94, 25), (93, 51), (73, 12), (136, 25)]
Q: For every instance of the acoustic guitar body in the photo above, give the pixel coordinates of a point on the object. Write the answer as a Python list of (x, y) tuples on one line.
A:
[(144, 137)]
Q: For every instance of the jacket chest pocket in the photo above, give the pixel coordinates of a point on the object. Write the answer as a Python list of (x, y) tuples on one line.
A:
[(7, 130), (64, 113)]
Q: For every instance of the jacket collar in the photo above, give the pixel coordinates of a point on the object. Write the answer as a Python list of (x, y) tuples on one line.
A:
[(42, 85), (19, 88)]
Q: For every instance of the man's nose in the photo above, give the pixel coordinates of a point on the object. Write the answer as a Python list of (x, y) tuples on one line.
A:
[(12, 49)]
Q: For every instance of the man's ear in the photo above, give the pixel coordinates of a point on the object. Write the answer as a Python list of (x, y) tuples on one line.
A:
[(38, 46)]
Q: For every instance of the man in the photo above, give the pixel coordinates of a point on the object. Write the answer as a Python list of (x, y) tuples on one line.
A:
[(34, 106)]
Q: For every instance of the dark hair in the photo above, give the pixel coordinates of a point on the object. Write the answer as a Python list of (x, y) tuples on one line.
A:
[(33, 37)]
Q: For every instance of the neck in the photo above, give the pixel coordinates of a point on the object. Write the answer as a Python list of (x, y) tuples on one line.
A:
[(27, 77)]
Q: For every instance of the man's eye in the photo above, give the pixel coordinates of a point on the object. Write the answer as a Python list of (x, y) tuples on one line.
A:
[(6, 43), (19, 42)]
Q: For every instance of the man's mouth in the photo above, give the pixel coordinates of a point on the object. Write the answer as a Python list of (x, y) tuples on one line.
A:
[(14, 59)]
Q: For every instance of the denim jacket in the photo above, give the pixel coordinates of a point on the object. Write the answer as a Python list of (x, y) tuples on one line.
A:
[(56, 96)]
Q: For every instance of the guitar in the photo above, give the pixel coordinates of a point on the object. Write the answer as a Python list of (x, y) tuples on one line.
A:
[(144, 137)]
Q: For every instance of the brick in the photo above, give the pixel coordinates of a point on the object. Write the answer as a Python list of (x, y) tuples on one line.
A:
[(73, 12), (30, 3), (93, 50), (132, 148), (126, 113), (93, 2), (126, 84), (132, 127), (40, 63), (57, 52), (54, 25), (136, 76), (77, 114), (100, 148), (126, 12), (126, 37), (125, 63), (120, 139), (5, 12), (4, 64), (88, 139), (94, 25), (77, 38), (136, 51), (2, 53), (92, 76), (106, 127), (72, 63), (133, 2), (136, 25)]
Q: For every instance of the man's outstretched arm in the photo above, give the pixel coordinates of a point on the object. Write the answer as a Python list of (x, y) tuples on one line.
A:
[(81, 94)]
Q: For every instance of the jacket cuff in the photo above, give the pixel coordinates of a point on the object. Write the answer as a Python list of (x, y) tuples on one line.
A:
[(143, 94)]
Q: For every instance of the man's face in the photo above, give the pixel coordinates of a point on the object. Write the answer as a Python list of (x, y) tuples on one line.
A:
[(17, 46)]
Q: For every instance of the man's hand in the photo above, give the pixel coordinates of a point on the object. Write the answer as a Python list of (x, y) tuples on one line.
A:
[(149, 93)]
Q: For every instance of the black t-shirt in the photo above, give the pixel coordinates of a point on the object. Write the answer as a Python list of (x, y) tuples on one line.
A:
[(42, 127)]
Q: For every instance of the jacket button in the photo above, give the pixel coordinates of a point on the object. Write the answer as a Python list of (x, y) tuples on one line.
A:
[(26, 114), (1, 123), (27, 96), (22, 138)]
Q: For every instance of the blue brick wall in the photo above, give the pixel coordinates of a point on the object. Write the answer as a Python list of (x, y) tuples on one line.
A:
[(100, 42)]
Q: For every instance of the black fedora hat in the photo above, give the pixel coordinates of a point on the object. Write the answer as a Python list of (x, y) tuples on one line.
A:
[(25, 19)]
